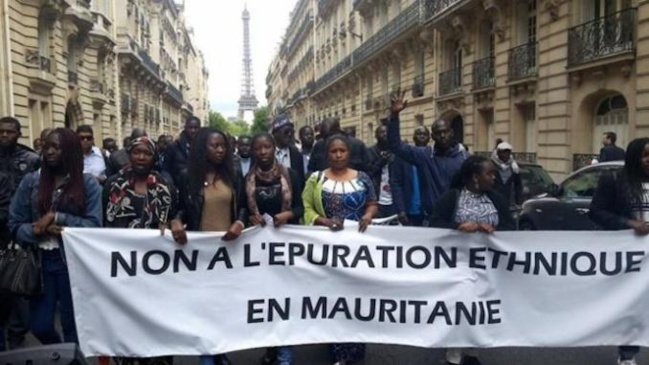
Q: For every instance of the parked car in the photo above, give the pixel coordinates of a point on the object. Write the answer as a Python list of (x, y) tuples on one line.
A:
[(535, 180), (565, 207)]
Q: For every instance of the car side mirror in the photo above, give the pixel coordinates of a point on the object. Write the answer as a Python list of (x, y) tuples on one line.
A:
[(553, 190)]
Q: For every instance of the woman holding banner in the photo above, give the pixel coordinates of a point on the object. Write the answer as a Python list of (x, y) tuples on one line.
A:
[(472, 206), (622, 202), (59, 195), (273, 190), (332, 196), (138, 197), (212, 197)]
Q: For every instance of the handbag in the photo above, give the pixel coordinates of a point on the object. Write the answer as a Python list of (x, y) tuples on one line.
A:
[(20, 271)]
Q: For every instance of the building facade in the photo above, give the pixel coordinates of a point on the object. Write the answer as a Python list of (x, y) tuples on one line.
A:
[(549, 76), (71, 62)]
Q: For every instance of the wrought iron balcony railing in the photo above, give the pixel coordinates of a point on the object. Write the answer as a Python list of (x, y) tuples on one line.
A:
[(301, 34), (395, 28), (418, 87), (523, 157), (610, 35), (175, 93), (450, 82), (522, 61), (580, 160), (483, 73), (432, 8), (149, 63), (334, 73)]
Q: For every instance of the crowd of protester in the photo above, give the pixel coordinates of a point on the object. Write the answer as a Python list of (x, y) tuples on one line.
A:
[(206, 181)]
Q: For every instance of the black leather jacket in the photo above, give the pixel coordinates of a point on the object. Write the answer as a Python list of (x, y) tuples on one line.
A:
[(17, 162), (190, 210)]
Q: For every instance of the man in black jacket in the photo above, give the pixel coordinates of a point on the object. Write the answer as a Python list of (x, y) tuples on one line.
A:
[(358, 159), (16, 161), (5, 300), (177, 155), (610, 151), (380, 159), (287, 154)]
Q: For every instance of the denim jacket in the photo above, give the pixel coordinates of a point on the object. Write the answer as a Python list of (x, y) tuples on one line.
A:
[(24, 210)]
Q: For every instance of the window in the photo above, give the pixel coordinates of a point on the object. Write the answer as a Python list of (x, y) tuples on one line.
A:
[(583, 184), (612, 115), (529, 116)]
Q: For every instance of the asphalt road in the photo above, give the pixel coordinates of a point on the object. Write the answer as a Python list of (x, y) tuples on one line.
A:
[(401, 355)]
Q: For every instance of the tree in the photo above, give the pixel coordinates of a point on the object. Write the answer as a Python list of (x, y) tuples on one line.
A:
[(260, 123), (218, 121), (239, 128)]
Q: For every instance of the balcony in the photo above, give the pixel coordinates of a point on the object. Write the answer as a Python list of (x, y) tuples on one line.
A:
[(325, 7), (34, 59), (436, 9), (176, 94), (602, 38), (483, 74), (450, 82), (418, 87), (582, 160), (96, 86), (333, 74), (522, 62), (148, 62), (403, 22)]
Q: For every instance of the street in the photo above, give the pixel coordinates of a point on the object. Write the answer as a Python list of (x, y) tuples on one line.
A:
[(401, 355)]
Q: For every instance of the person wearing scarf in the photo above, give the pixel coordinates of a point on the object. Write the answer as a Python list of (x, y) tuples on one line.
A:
[(272, 190), (138, 196), (508, 179)]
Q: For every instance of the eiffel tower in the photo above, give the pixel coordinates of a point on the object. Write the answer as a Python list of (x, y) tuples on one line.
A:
[(247, 102)]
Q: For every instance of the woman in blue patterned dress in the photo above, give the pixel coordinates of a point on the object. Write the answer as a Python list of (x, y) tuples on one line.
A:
[(332, 196)]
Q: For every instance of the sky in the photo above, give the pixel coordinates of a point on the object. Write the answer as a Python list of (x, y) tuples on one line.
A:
[(218, 33)]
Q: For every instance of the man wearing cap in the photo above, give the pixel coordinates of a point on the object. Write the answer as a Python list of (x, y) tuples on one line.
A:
[(508, 178), (287, 154)]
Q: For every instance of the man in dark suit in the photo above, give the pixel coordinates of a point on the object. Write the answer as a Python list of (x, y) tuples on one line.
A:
[(358, 159), (287, 154), (610, 151)]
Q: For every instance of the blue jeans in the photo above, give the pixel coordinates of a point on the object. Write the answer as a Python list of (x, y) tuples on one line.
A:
[(285, 355), (56, 283)]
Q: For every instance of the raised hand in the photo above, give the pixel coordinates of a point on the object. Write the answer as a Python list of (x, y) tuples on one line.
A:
[(398, 103)]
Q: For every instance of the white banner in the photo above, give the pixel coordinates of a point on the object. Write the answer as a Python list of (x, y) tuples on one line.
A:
[(137, 293)]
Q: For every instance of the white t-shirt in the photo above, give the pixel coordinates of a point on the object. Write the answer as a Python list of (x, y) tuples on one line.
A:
[(385, 194)]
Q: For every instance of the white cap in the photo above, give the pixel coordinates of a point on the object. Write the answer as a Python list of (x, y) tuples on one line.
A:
[(504, 146)]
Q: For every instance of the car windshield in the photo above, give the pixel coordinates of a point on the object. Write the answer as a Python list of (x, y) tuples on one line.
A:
[(535, 175), (583, 183)]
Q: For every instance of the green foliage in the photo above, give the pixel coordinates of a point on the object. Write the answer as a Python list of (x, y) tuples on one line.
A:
[(260, 123), (236, 128), (218, 121)]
